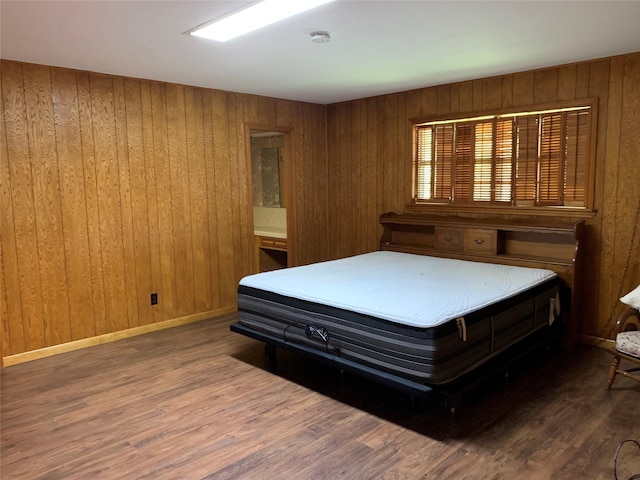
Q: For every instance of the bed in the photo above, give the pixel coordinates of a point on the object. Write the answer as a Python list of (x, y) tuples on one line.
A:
[(444, 301)]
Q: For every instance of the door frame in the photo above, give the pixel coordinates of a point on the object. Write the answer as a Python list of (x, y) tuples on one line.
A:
[(288, 173)]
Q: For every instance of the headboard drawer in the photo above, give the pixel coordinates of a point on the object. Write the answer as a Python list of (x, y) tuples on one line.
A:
[(449, 238)]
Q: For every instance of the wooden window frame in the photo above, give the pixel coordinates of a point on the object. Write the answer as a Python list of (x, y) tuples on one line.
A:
[(441, 204)]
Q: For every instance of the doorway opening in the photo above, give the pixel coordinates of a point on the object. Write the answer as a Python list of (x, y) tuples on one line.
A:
[(270, 176)]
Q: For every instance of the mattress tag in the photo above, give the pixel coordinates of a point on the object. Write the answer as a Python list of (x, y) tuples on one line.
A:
[(554, 308), (462, 328)]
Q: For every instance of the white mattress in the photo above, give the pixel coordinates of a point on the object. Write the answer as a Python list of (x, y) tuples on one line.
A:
[(413, 290)]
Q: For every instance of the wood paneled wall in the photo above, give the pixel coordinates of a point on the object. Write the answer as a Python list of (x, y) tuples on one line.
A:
[(112, 188), (370, 154)]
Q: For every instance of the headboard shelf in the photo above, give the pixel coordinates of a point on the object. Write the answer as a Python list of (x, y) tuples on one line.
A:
[(549, 241), (549, 244)]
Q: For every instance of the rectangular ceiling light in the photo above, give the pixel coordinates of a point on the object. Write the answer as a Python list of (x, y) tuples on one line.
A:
[(256, 16)]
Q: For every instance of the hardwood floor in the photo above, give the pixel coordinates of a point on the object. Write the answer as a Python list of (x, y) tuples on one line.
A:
[(200, 402)]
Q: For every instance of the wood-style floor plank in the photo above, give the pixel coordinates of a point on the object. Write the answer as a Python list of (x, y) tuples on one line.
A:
[(200, 402)]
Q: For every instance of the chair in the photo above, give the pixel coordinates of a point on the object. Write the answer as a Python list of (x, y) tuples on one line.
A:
[(627, 346)]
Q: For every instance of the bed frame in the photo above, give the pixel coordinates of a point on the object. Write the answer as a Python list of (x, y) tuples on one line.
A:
[(550, 244)]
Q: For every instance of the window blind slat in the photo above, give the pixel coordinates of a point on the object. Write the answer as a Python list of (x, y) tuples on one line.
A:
[(483, 162), (527, 159), (464, 158), (424, 159), (503, 161), (550, 159), (443, 162)]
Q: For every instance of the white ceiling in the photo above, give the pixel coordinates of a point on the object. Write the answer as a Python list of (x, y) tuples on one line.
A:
[(377, 47)]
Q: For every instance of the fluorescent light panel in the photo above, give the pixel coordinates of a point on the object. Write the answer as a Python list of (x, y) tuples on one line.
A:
[(254, 17)]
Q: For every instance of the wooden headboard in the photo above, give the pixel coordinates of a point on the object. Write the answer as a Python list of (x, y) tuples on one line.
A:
[(539, 244)]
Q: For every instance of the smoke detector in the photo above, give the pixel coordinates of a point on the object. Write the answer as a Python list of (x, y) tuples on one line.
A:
[(320, 37)]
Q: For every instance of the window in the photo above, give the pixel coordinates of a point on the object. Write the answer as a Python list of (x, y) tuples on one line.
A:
[(526, 159)]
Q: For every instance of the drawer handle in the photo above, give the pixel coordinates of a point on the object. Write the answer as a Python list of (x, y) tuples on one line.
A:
[(448, 238), (479, 241)]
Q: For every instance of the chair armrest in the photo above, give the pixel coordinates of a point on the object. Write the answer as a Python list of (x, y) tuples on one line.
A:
[(629, 321)]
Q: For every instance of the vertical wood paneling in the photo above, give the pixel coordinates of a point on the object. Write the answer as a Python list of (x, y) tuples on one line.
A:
[(73, 202), (304, 183), (244, 250), (611, 177), (24, 210), (358, 167), (444, 99), (6, 221), (507, 91), (523, 87), (342, 175), (401, 149), (109, 203), (139, 207), (339, 165), (583, 76), (113, 188), (454, 98), (285, 112), (546, 86), (211, 198), (13, 332), (4, 330), (333, 132), (164, 200), (567, 82), (429, 102), (412, 110), (152, 217), (320, 175), (373, 171), (91, 202), (128, 244), (46, 195), (180, 200), (222, 176), (234, 175), (492, 93), (390, 167), (465, 97), (313, 139), (194, 115), (592, 80), (478, 99)]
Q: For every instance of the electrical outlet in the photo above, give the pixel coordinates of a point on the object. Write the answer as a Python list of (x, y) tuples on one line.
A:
[(154, 299)]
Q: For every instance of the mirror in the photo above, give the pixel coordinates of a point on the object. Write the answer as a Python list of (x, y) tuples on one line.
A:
[(266, 168)]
